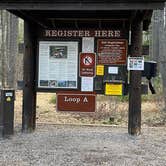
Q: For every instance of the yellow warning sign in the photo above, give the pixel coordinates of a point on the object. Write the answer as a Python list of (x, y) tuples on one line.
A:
[(113, 89), (8, 99), (100, 70)]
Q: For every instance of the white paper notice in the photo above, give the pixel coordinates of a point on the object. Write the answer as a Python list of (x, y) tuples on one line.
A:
[(135, 63), (113, 70), (88, 44), (87, 84)]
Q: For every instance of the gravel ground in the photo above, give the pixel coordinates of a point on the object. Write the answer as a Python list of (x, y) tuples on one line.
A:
[(69, 145)]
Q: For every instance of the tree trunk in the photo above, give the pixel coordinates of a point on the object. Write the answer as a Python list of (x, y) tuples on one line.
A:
[(134, 122), (155, 36), (162, 34), (159, 48), (12, 50), (3, 58)]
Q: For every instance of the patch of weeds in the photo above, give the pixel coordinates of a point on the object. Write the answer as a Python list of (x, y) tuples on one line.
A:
[(111, 121), (101, 112), (119, 120), (123, 98), (145, 98), (52, 100), (157, 81)]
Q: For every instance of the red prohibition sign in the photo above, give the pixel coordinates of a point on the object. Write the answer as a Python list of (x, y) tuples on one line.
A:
[(87, 64), (87, 59)]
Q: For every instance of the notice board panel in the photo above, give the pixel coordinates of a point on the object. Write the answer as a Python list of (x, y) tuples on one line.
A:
[(112, 51), (58, 65)]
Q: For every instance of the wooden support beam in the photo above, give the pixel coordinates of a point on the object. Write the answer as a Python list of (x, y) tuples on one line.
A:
[(29, 93), (77, 6), (134, 122)]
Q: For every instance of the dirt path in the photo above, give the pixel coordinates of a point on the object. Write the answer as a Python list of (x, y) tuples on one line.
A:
[(67, 145)]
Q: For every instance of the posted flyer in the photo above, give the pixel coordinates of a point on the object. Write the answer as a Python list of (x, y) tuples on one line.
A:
[(58, 64)]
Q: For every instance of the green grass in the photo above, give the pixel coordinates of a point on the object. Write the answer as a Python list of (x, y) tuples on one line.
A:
[(52, 100)]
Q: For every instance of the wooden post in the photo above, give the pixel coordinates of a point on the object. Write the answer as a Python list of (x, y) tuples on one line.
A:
[(134, 122), (29, 93)]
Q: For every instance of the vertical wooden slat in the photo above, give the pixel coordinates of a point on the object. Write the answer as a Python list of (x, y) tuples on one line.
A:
[(29, 93), (134, 122)]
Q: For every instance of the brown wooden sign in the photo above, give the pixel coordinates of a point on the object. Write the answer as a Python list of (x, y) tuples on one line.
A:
[(112, 51), (87, 64), (76, 101)]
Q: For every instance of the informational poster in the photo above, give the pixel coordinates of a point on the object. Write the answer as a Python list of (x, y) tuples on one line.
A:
[(112, 51), (87, 84), (135, 63), (58, 64)]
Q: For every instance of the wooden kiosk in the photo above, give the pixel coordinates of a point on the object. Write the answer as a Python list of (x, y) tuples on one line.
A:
[(72, 20)]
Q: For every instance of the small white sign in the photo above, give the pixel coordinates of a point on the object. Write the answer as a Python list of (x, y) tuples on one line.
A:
[(113, 70), (88, 44), (9, 94), (135, 63), (87, 84)]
